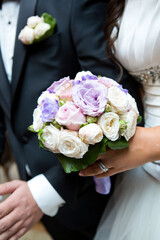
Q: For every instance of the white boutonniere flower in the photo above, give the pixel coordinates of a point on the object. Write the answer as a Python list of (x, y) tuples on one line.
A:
[(37, 29)]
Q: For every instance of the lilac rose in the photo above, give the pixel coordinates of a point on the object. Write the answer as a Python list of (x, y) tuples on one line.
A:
[(90, 96), (57, 84), (83, 76), (49, 109)]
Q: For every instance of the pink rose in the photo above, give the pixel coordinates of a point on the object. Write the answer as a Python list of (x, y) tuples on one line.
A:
[(65, 91), (108, 82), (70, 116)]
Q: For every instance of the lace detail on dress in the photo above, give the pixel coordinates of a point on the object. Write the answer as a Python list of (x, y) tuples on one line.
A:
[(148, 76)]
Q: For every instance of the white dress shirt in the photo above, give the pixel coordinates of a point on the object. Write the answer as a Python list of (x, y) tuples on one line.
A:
[(43, 192)]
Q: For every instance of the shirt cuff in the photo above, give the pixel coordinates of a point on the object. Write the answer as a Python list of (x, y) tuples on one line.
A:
[(46, 197)]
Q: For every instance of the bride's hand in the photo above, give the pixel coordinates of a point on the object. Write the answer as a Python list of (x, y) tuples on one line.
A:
[(144, 147)]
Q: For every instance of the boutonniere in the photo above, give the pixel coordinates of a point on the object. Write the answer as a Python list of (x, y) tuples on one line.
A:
[(37, 29)]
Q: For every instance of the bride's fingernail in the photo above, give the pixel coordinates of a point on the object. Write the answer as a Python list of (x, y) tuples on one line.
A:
[(81, 174)]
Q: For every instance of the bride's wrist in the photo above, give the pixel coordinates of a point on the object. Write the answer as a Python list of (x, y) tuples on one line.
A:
[(145, 144)]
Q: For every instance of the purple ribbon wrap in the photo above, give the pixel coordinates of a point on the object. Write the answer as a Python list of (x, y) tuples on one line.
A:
[(102, 185)]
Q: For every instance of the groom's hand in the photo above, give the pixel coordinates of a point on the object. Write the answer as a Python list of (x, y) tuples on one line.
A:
[(19, 212)]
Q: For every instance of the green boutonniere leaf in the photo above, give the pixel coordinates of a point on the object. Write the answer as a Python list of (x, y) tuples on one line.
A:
[(48, 19)]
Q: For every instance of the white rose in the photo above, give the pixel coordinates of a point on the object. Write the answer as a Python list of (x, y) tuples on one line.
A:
[(71, 146), (108, 82), (51, 138), (75, 133), (82, 73), (91, 134), (131, 119), (109, 123), (33, 21), (26, 35), (37, 120), (46, 94), (41, 29), (118, 99), (133, 104)]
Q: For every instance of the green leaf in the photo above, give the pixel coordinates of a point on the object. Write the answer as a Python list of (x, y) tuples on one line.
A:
[(31, 129), (91, 119), (56, 124), (122, 124), (61, 102), (84, 124), (74, 165), (40, 135), (119, 144), (48, 19), (108, 108), (139, 120), (103, 145), (41, 144)]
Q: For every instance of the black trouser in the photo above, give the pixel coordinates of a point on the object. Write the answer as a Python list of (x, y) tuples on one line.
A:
[(60, 232)]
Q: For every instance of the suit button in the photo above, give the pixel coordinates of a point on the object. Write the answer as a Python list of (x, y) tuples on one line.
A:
[(24, 139)]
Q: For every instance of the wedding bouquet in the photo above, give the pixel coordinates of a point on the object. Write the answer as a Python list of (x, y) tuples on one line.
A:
[(77, 119)]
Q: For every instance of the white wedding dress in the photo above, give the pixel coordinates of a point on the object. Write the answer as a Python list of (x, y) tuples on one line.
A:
[(133, 212)]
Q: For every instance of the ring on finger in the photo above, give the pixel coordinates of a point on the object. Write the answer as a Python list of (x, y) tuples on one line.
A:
[(103, 167)]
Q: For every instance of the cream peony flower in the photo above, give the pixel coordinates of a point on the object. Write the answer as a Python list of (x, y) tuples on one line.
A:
[(41, 29), (47, 94), (33, 21), (118, 99), (71, 146), (131, 119), (26, 35), (109, 123), (37, 120), (91, 134), (51, 138)]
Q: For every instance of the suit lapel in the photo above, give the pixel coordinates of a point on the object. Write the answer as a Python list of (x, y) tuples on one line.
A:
[(5, 96), (27, 9)]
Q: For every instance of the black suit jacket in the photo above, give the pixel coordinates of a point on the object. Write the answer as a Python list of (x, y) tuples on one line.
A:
[(77, 44)]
